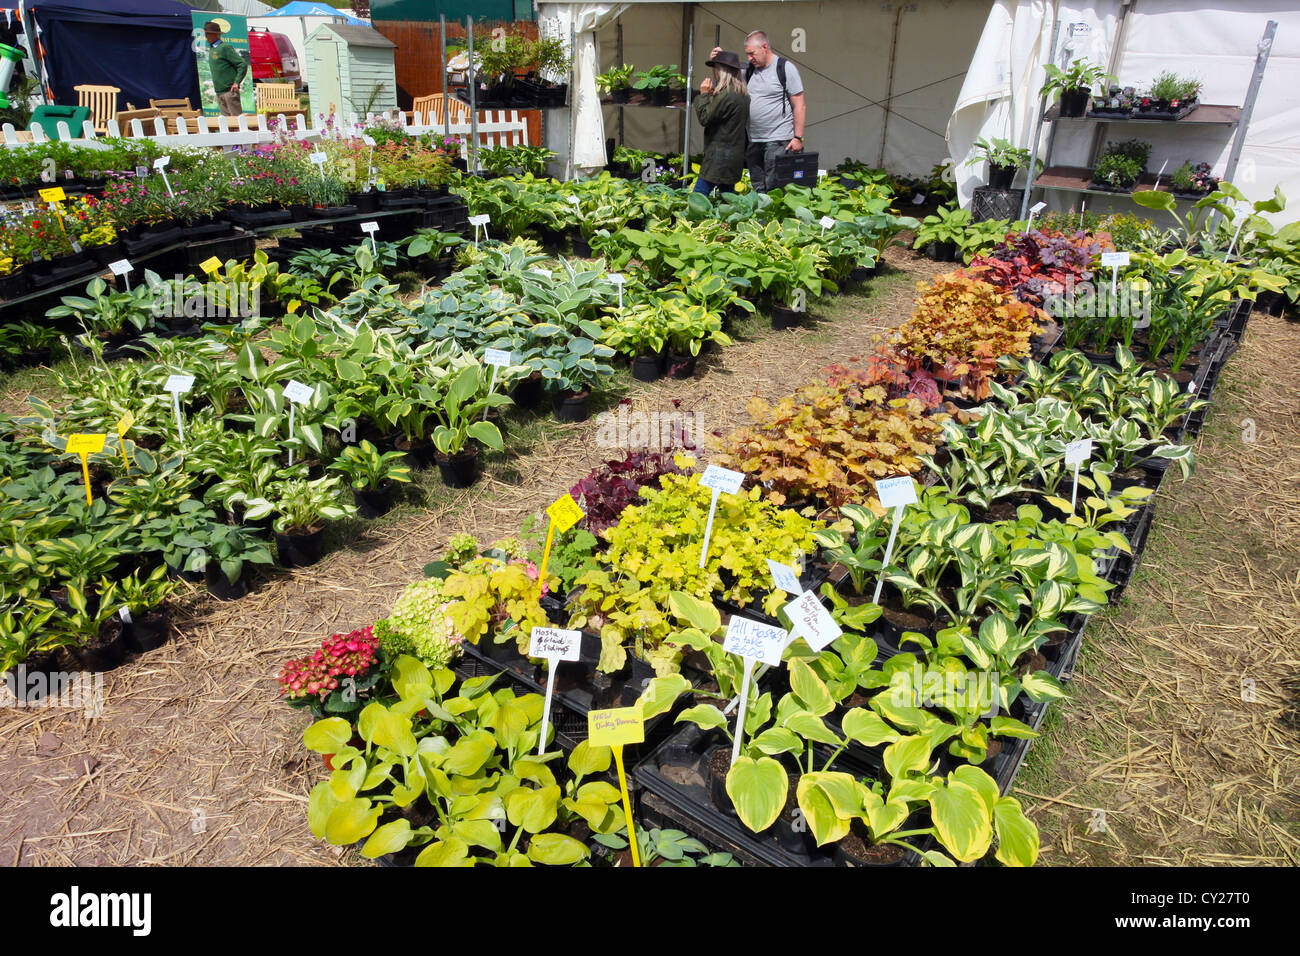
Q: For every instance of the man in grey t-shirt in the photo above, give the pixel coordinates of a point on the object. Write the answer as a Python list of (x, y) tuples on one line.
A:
[(776, 116)]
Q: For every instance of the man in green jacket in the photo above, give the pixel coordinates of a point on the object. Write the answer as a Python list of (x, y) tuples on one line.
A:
[(228, 70)]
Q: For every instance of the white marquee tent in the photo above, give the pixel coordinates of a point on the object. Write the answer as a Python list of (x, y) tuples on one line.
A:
[(949, 71)]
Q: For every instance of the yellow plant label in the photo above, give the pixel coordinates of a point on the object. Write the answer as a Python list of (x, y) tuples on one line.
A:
[(210, 265), (86, 444), (565, 513), (53, 194), (613, 728), (124, 424)]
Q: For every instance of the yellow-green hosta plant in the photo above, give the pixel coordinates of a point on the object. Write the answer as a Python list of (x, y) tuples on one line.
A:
[(655, 550), (452, 768)]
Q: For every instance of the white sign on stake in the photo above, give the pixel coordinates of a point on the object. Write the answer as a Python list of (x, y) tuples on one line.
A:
[(120, 268), (896, 493), (751, 641), (160, 164), (554, 644), (368, 139), (719, 480), (784, 577), (1076, 453), (826, 223), (480, 220), (496, 358), (177, 385), (811, 621), (370, 228), (1159, 174), (1114, 260), (1034, 210), (618, 279)]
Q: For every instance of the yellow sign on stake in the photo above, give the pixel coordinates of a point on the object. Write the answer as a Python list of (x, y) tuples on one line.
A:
[(564, 514), (210, 265), (53, 194), (84, 445), (123, 426), (613, 729)]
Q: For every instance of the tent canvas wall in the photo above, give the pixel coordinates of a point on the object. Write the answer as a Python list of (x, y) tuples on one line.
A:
[(1199, 38), (140, 46), (855, 58), (350, 69)]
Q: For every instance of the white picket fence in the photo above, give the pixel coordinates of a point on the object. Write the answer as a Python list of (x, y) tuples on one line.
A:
[(495, 128)]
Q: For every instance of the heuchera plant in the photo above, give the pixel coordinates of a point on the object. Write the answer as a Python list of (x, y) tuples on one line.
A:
[(1035, 264), (617, 483)]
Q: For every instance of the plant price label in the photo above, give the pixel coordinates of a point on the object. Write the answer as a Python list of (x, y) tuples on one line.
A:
[(554, 644), (918, 199), (210, 265), (784, 577), (497, 357), (893, 492), (298, 392), (565, 513), (86, 444), (722, 479), (826, 222), (617, 278), (368, 139), (124, 613), (1037, 207), (162, 162), (121, 267), (812, 621), (318, 158), (1077, 452), (124, 424), (369, 227), (575, 200), (760, 642), (613, 728), (53, 194), (141, 172), (178, 384), (1114, 258), (480, 220)]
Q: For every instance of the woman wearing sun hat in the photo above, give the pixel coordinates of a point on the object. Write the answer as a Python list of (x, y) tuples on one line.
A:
[(723, 110)]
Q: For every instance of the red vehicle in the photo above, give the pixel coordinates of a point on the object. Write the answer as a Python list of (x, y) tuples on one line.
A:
[(274, 58)]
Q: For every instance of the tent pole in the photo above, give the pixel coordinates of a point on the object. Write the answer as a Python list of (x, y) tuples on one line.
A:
[(889, 87), (1038, 129), (619, 25), (571, 169), (690, 72), (442, 65), (1256, 78), (473, 98)]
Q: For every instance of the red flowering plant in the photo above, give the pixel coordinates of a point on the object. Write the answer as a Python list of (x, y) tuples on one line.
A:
[(340, 678), (23, 238)]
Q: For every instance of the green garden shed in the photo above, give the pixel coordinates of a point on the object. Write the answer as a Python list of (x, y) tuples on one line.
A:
[(350, 68)]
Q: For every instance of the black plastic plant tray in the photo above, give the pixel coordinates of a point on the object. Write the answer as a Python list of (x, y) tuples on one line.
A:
[(1121, 573), (686, 792)]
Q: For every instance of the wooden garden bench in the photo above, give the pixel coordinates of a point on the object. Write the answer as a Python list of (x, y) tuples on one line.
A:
[(277, 98), (101, 101)]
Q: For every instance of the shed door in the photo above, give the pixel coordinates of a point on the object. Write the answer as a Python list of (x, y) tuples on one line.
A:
[(326, 85)]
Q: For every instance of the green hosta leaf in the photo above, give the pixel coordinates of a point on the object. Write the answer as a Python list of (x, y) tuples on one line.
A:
[(556, 849), (1010, 727), (811, 727), (867, 728), (450, 852), (482, 833), (533, 810), (758, 790), (661, 693), (907, 755), (705, 716), (1017, 835), (995, 631), (699, 614), (327, 736), (1042, 687), (350, 821), (586, 759), (777, 740), (822, 815), (961, 821), (810, 689), (320, 805), (487, 433), (389, 838), (469, 754)]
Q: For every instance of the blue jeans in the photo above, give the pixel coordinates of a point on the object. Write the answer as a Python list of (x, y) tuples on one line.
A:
[(704, 187)]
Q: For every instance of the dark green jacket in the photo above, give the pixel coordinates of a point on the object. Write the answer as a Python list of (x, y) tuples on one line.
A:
[(725, 118), (226, 65)]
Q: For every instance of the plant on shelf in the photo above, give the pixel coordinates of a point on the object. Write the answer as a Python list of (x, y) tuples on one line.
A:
[(1003, 159), (658, 78), (617, 80), (1198, 180), (1073, 84), (1116, 172), (1169, 91)]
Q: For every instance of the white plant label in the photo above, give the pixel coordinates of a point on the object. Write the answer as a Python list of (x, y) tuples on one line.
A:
[(760, 642), (368, 139), (298, 392), (618, 279), (918, 199), (894, 492), (318, 158), (480, 220), (722, 479), (178, 384), (1077, 452), (121, 267), (576, 201), (826, 222), (496, 357), (811, 621), (555, 645), (368, 227), (1037, 207), (1114, 258), (784, 577), (161, 163), (124, 613)]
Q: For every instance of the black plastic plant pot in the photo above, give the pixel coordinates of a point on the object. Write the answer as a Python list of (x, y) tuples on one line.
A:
[(375, 502), (681, 366), (148, 630), (219, 585), (1074, 102), (721, 755), (527, 395), (647, 368), (783, 318), (660, 96), (461, 470), (581, 247), (572, 406), (107, 649), (862, 274), (300, 550), (942, 251), (365, 202), (1001, 177), (620, 96), (420, 454)]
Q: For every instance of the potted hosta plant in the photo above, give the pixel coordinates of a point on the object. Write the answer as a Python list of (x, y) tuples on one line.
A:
[(689, 327), (638, 331), (1003, 159), (941, 234), (570, 371), (229, 548), (1073, 85), (462, 426), (144, 598), (374, 477), (657, 83), (302, 507), (617, 82)]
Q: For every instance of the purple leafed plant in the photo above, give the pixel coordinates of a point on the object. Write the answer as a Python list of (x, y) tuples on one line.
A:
[(615, 484)]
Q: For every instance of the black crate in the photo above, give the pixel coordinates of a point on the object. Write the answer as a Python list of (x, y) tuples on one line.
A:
[(990, 203)]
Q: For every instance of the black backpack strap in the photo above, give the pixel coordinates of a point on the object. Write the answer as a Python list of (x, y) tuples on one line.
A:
[(780, 75)]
